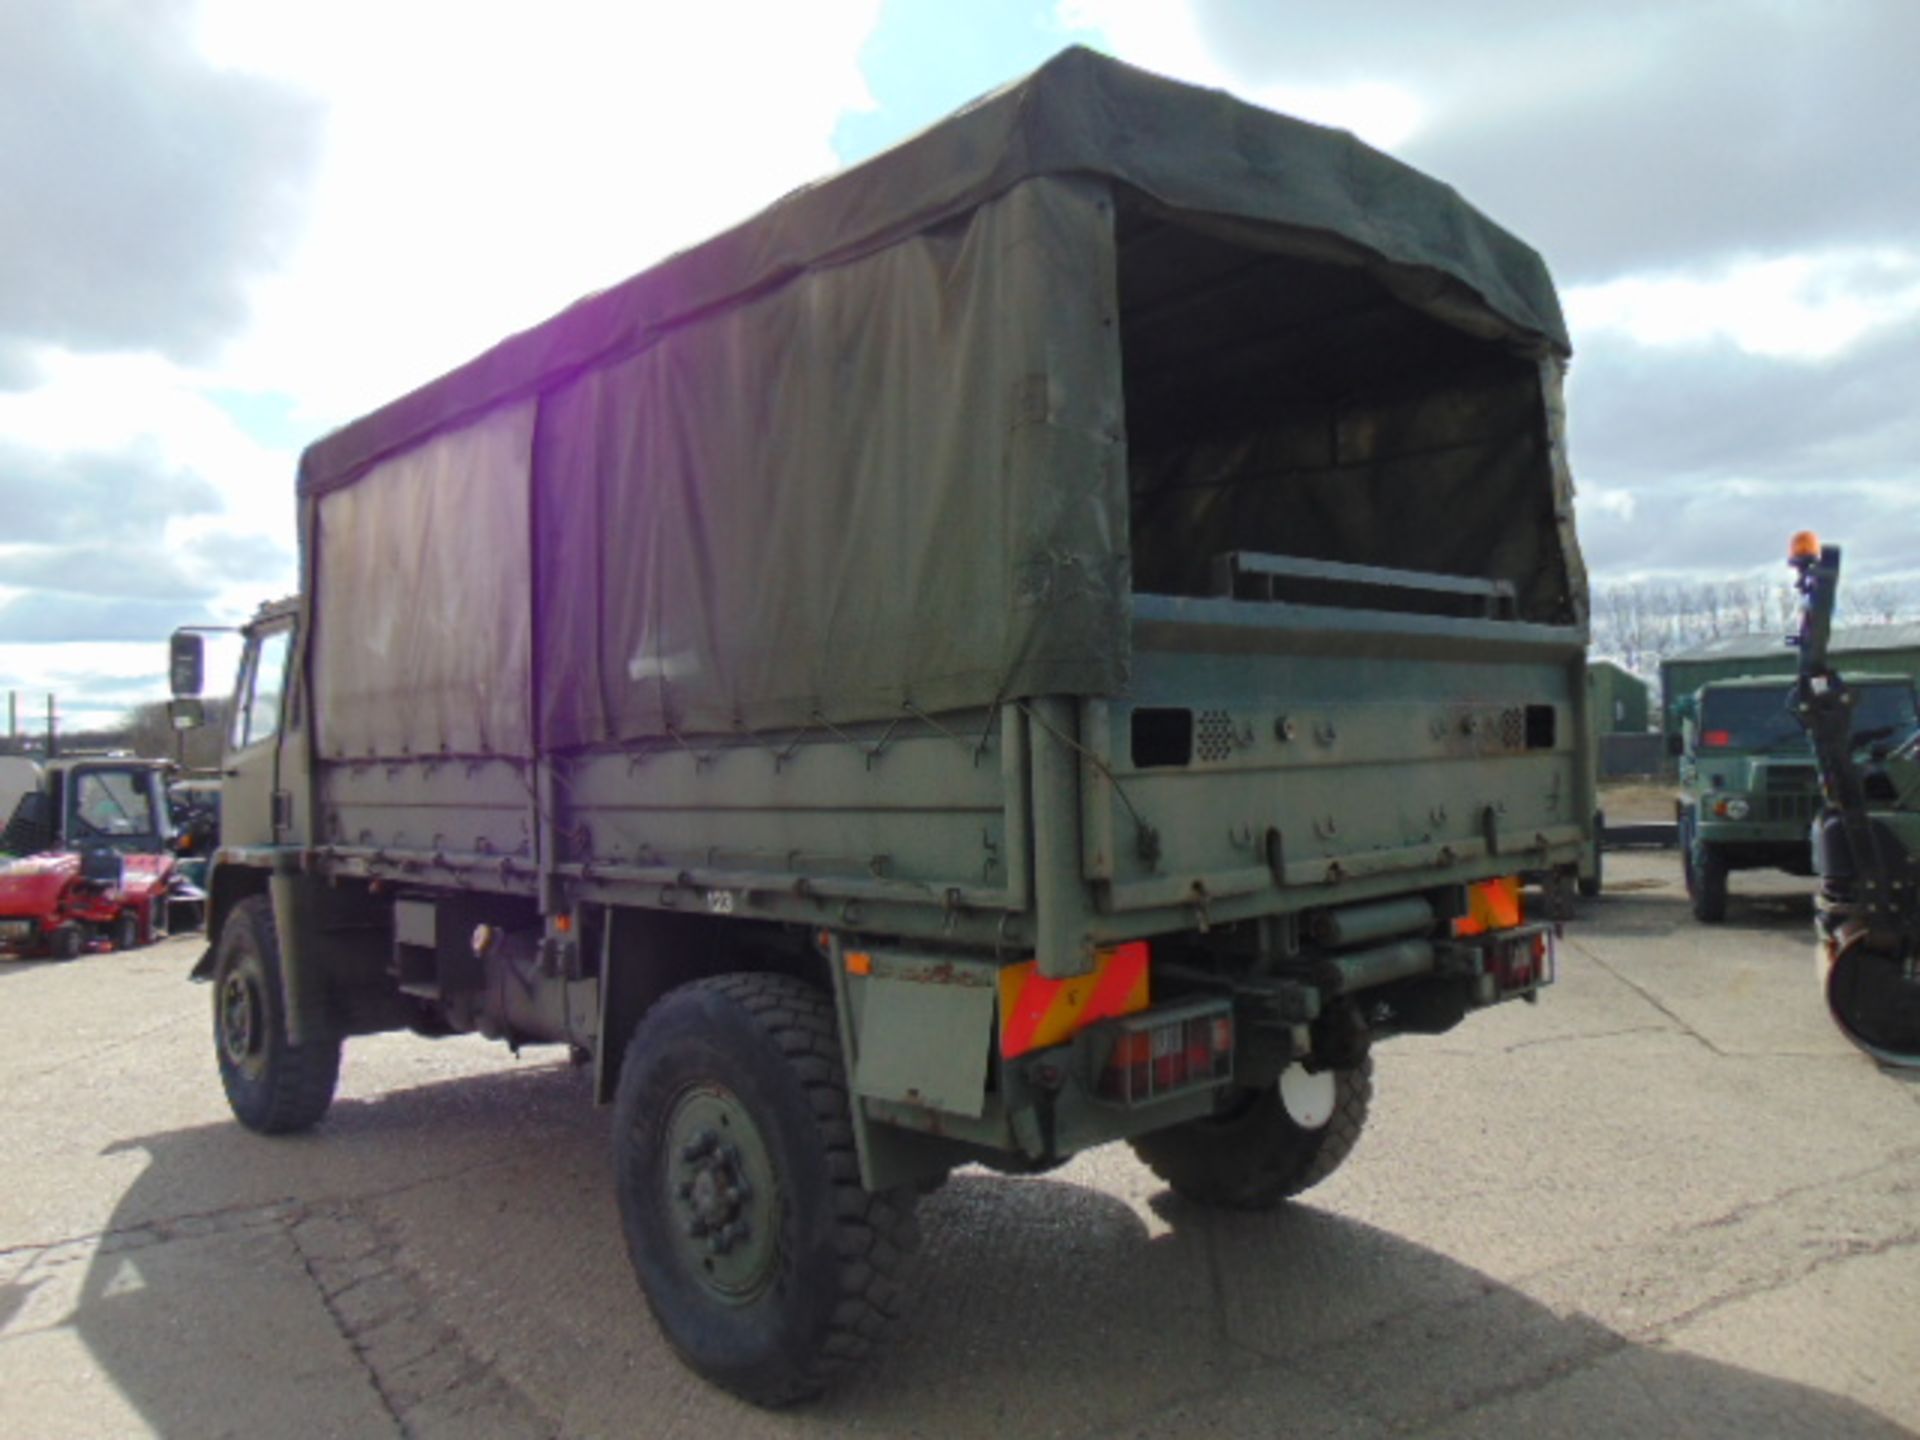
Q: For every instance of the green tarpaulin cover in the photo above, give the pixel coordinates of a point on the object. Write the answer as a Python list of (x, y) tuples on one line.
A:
[(870, 449)]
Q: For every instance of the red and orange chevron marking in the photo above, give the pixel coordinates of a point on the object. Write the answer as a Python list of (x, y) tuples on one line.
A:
[(1036, 1012)]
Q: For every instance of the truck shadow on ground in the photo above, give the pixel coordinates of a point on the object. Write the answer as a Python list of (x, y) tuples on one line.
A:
[(224, 1291)]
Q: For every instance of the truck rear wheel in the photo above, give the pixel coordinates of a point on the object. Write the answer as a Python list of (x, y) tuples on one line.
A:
[(1706, 876), (1274, 1144), (768, 1266), (126, 931), (272, 1087)]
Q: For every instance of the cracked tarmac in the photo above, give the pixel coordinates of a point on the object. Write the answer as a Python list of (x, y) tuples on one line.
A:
[(1669, 1200)]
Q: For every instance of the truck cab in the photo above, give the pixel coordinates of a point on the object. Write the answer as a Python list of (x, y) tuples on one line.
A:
[(1750, 789), (260, 752)]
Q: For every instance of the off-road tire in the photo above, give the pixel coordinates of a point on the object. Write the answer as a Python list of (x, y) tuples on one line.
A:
[(837, 1255), (66, 942), (1258, 1155), (1707, 884), (273, 1087), (126, 931)]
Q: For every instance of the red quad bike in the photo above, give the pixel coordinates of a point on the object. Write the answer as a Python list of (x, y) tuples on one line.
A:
[(89, 862)]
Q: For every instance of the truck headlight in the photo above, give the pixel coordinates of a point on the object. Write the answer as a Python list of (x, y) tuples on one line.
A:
[(1734, 809)]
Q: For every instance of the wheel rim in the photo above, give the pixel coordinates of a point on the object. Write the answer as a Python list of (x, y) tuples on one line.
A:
[(721, 1194), (242, 1022)]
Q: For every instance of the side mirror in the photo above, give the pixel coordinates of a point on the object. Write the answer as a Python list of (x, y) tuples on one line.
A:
[(186, 665), (186, 712), (1676, 745)]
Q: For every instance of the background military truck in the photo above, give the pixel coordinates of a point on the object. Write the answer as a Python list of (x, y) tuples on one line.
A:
[(1750, 792), (1061, 633)]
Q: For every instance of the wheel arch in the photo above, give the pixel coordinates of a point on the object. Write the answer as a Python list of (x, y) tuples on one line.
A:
[(227, 886), (650, 953)]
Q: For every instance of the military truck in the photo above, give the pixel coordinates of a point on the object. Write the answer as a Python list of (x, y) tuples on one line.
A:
[(1062, 633), (1750, 791)]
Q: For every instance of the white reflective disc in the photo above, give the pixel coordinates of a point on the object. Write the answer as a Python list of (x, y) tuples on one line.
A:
[(1308, 1097)]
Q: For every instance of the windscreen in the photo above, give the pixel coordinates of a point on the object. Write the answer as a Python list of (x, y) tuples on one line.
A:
[(1762, 719), (112, 804)]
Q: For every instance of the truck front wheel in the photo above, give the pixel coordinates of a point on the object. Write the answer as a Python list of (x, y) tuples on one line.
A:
[(768, 1266), (272, 1087), (1706, 879), (1270, 1145)]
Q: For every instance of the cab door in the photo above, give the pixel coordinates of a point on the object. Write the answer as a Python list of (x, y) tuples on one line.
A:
[(255, 808)]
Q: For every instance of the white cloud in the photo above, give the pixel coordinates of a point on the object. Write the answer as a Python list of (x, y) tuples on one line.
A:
[(95, 680), (480, 167), (486, 165), (97, 405), (1809, 307), (143, 185)]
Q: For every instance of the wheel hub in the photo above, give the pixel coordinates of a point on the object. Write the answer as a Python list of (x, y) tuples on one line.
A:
[(720, 1182), (240, 1021)]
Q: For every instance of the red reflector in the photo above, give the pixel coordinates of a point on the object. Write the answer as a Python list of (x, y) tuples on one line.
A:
[(1717, 738), (1154, 1057)]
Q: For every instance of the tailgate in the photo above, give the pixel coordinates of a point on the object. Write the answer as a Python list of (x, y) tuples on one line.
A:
[(1322, 754)]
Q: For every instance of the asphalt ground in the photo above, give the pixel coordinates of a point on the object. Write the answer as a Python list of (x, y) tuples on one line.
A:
[(1667, 1201)]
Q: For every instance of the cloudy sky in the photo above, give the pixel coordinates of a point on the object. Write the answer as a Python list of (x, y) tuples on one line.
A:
[(234, 224)]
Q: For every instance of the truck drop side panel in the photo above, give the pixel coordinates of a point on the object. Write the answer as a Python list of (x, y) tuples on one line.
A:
[(1286, 757)]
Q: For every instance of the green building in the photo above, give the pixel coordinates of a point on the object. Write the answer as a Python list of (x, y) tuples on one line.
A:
[(1621, 701), (1880, 649)]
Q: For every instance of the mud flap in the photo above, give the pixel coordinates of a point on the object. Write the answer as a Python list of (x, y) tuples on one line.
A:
[(304, 998), (914, 1030)]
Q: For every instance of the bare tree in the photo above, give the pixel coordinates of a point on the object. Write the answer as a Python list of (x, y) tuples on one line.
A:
[(1876, 602), (150, 732), (1642, 622)]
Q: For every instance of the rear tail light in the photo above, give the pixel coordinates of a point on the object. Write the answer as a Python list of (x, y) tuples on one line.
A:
[(1522, 962), (1164, 1052)]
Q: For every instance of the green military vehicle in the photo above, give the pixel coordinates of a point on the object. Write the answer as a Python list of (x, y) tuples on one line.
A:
[(1751, 792), (1866, 843), (1062, 633)]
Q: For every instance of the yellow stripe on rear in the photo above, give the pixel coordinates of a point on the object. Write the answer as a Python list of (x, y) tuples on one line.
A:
[(1036, 1012)]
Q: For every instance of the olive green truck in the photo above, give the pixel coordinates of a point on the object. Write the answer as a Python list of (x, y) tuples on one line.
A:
[(1058, 634), (1750, 788)]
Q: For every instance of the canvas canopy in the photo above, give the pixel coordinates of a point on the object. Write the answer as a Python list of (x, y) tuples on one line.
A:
[(869, 450)]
